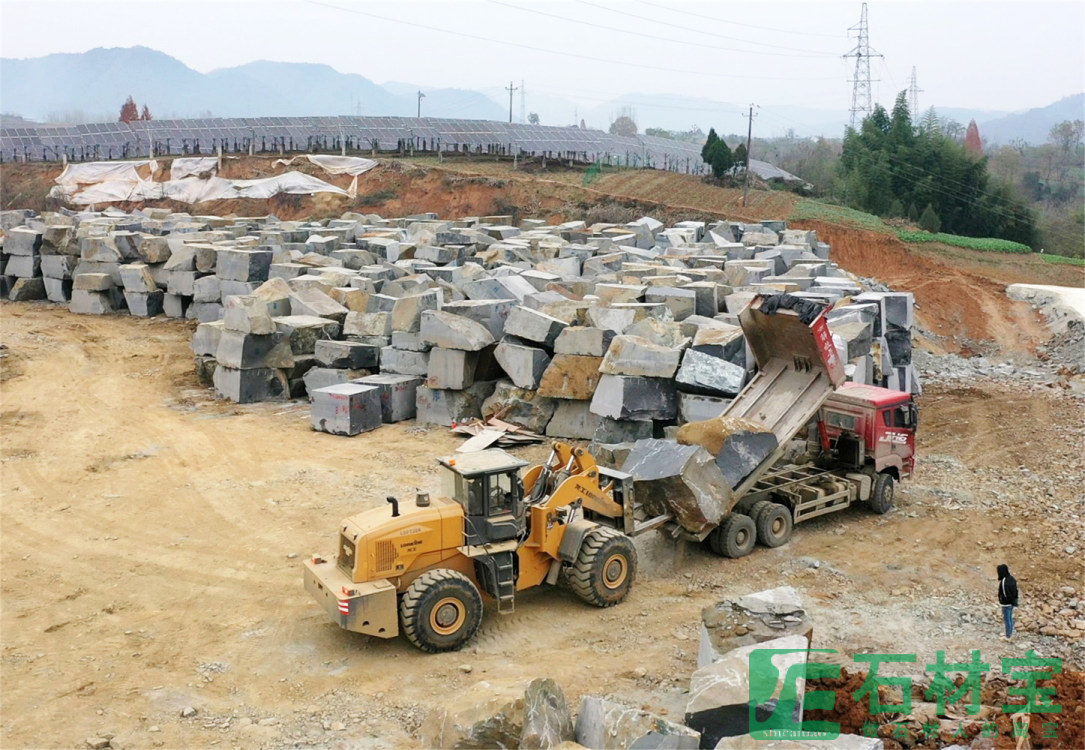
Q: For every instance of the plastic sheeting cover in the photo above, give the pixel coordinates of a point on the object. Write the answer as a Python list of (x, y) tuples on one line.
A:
[(352, 165), (188, 166), (195, 190), (94, 172)]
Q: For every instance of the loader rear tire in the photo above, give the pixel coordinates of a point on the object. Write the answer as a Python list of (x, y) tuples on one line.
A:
[(774, 525), (735, 537), (440, 611), (604, 569), (881, 497)]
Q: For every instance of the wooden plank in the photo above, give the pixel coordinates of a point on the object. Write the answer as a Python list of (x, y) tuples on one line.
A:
[(481, 441)]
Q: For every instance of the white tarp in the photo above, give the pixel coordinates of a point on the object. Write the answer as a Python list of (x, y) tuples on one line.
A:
[(188, 166), (93, 172), (352, 165), (195, 190)]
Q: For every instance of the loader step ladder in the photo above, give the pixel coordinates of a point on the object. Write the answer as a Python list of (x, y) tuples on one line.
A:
[(505, 582)]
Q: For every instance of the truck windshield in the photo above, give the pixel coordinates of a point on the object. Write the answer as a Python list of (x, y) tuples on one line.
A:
[(467, 492)]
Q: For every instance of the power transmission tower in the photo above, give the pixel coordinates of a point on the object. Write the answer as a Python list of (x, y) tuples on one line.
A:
[(860, 92), (510, 88), (421, 96), (913, 95), (523, 104), (749, 143)]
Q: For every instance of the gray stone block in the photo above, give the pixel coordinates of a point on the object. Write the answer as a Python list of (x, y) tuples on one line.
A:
[(23, 266), (443, 329), (87, 302), (25, 290), (571, 376), (702, 373), (100, 249), (322, 377), (57, 290), (229, 288), (175, 305), (445, 407), (519, 406), (154, 249), (532, 325), (632, 355), (451, 368), (856, 337), (22, 241), (205, 312), (397, 393), (410, 341), (742, 452), (205, 289), (345, 409), (361, 324), (606, 725), (573, 420), (250, 386), (316, 303), (583, 340), (404, 361), (627, 397), (696, 407), (93, 282), (205, 340), (144, 304), (247, 314), (680, 479), (181, 283), (681, 302), (407, 312), (623, 430), (205, 370), (548, 722), (57, 266), (348, 354), (246, 351), (136, 277), (524, 365)]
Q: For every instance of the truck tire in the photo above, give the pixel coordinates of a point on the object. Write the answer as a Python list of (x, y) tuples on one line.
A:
[(735, 537), (440, 611), (604, 569), (758, 508), (881, 497), (774, 525)]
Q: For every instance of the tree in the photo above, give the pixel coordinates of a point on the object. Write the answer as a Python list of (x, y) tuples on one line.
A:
[(129, 111), (896, 209), (717, 154), (624, 125), (740, 156), (972, 141), (533, 118), (659, 133), (913, 213), (146, 113), (1067, 135), (929, 220)]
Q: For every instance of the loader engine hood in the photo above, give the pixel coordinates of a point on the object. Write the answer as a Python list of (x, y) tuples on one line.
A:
[(375, 545)]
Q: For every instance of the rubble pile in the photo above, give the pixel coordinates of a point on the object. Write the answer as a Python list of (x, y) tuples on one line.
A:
[(608, 332)]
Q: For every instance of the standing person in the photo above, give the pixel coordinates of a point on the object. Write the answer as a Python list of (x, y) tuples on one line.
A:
[(1007, 597)]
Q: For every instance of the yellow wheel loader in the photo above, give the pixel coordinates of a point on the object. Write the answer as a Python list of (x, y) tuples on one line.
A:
[(422, 569)]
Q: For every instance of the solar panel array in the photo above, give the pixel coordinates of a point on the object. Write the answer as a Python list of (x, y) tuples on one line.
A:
[(118, 140)]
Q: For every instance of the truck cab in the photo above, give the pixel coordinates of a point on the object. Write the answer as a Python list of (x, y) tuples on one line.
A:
[(867, 427), (488, 486)]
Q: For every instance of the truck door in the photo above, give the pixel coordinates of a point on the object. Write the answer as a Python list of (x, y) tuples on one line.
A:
[(895, 431)]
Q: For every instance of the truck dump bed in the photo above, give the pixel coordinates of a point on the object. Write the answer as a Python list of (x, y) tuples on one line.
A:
[(798, 368)]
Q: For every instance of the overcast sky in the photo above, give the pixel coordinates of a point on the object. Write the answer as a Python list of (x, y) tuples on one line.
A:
[(984, 55)]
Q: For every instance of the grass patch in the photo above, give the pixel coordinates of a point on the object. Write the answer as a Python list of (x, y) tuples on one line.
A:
[(1063, 260), (376, 198), (818, 211), (983, 244)]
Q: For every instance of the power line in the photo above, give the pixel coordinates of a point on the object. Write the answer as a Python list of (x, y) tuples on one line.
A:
[(736, 23), (575, 55), (792, 51), (656, 37)]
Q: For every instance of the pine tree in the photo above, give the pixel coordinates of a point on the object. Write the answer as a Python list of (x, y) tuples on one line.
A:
[(129, 111), (740, 156), (913, 213), (146, 113), (929, 220), (972, 142), (896, 209)]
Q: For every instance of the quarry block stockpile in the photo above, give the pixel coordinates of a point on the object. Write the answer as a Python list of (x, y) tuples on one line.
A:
[(609, 332)]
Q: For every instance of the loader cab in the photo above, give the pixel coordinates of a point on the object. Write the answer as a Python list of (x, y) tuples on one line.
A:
[(864, 425), (487, 485)]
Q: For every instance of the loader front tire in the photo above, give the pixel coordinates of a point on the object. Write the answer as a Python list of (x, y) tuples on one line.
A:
[(440, 611), (881, 497), (735, 537), (604, 569)]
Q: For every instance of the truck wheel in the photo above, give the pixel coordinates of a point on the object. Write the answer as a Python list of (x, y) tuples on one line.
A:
[(604, 569), (774, 525), (881, 497), (758, 508), (440, 611), (735, 537)]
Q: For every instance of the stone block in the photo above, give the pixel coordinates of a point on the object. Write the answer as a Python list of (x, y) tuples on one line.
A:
[(136, 277), (623, 430), (681, 302), (451, 368), (22, 241), (87, 302), (144, 304), (181, 283), (660, 332), (101, 249), (610, 454), (345, 409), (93, 282), (57, 290), (205, 370), (695, 407), (23, 266), (57, 266), (321, 377), (247, 314), (175, 305), (485, 715), (573, 420), (303, 331), (853, 337), (316, 303), (751, 620), (519, 406), (25, 290), (632, 355), (250, 386), (404, 361), (205, 340), (707, 294), (444, 407), (583, 340), (443, 329), (524, 365), (742, 452), (614, 319), (628, 397), (703, 373), (407, 311), (346, 354), (722, 341), (246, 351), (606, 725), (547, 720), (205, 289), (275, 293), (680, 479), (154, 250), (352, 298), (410, 341), (531, 325), (397, 393), (720, 693), (571, 376), (367, 324)]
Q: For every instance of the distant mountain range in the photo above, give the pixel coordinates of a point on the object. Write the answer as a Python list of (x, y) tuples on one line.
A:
[(91, 86)]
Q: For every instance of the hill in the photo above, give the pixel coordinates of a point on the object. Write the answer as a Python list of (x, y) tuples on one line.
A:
[(1034, 125)]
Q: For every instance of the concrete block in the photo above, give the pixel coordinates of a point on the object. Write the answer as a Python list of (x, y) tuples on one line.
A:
[(443, 329), (246, 351), (628, 397), (303, 331), (571, 376), (88, 302), (57, 290), (680, 479), (144, 304), (250, 386), (346, 409), (532, 325), (451, 368), (632, 355), (519, 406), (346, 354), (25, 290), (445, 407), (524, 365), (703, 373), (397, 394), (602, 724), (404, 361)]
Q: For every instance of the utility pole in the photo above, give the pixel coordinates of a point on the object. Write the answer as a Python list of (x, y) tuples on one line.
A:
[(510, 88), (913, 96), (523, 104), (421, 96), (860, 92), (749, 142)]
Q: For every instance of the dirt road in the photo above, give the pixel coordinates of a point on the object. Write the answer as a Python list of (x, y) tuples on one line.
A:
[(152, 539)]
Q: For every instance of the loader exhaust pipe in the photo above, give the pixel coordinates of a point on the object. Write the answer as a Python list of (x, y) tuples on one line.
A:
[(395, 505)]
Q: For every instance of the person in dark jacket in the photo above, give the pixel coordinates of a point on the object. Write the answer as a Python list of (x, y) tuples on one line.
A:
[(1007, 597)]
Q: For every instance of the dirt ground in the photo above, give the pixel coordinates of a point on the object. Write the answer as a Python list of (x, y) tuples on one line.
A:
[(152, 540)]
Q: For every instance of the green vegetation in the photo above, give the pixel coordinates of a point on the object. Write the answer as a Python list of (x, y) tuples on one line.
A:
[(891, 163), (1062, 259), (828, 212), (985, 244), (717, 154), (377, 197)]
